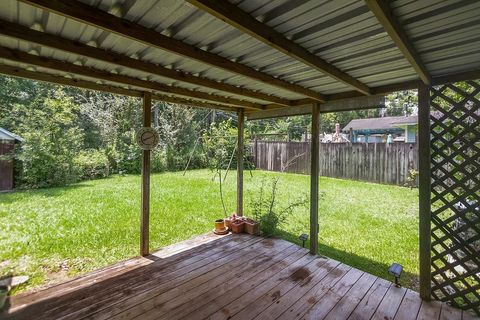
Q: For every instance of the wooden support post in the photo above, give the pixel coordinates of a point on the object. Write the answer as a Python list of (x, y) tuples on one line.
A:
[(145, 214), (424, 190), (241, 124), (314, 172)]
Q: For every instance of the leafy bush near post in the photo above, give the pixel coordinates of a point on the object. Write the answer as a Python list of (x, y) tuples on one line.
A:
[(266, 211), (92, 164)]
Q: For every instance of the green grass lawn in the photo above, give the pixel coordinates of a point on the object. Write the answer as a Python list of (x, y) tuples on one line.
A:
[(52, 234)]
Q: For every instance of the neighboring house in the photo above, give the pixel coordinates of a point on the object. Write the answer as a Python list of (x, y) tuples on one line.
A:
[(7, 143), (377, 130)]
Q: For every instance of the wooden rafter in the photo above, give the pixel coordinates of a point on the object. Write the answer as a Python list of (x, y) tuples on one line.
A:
[(392, 26), (83, 84), (100, 19), (241, 20), (357, 103), (70, 68), (77, 83), (192, 103), (56, 42)]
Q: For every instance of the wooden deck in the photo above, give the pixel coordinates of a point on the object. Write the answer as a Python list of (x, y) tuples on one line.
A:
[(229, 277)]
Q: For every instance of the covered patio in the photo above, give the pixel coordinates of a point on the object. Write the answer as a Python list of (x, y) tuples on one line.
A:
[(230, 277), (263, 60)]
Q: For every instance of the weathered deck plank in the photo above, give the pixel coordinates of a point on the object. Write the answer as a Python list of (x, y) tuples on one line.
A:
[(252, 293), (390, 303), (231, 286), (232, 277), (352, 298), (409, 306)]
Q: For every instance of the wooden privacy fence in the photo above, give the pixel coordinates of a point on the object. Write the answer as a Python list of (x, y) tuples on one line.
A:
[(374, 162)]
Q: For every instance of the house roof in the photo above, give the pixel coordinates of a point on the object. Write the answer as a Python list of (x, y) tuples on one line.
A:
[(258, 55), (410, 120), (7, 135), (379, 123)]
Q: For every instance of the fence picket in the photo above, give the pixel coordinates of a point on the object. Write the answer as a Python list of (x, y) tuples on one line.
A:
[(373, 162)]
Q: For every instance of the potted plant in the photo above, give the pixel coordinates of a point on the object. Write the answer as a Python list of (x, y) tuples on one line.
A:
[(238, 226), (228, 220), (252, 226), (220, 227)]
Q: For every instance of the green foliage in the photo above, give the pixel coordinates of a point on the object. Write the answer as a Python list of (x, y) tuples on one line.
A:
[(158, 161), (268, 214), (293, 128), (411, 180), (178, 135), (63, 126), (220, 143), (52, 139), (92, 164)]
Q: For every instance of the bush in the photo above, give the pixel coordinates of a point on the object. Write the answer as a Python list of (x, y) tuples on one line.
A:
[(51, 141), (92, 164), (270, 217), (158, 161)]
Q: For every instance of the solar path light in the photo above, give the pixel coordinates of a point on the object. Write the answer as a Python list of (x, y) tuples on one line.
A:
[(396, 271), (303, 237)]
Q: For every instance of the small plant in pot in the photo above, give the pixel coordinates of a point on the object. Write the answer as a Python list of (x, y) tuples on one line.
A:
[(228, 220)]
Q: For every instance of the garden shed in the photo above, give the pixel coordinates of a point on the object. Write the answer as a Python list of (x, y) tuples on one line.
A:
[(7, 143), (263, 59)]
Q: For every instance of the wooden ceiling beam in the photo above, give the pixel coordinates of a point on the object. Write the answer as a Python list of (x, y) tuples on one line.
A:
[(70, 68), (243, 21), (56, 42), (77, 83), (358, 103), (381, 9), (192, 103), (100, 19)]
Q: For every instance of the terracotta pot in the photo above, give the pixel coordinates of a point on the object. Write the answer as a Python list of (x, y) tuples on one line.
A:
[(228, 222), (238, 226), (252, 226)]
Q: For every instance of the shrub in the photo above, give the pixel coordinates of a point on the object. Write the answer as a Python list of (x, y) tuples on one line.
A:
[(158, 161), (267, 214), (51, 141), (92, 164)]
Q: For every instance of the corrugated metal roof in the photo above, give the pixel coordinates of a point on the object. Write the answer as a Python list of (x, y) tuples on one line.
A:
[(345, 33)]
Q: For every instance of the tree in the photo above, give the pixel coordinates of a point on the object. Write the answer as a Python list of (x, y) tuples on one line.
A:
[(52, 139)]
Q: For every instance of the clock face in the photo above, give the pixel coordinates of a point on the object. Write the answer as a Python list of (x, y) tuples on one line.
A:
[(147, 138)]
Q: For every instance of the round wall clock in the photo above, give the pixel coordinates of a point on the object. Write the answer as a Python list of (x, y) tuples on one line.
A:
[(147, 138)]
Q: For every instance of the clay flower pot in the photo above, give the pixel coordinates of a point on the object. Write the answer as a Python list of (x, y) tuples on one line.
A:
[(220, 227), (238, 226), (252, 226), (228, 222)]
